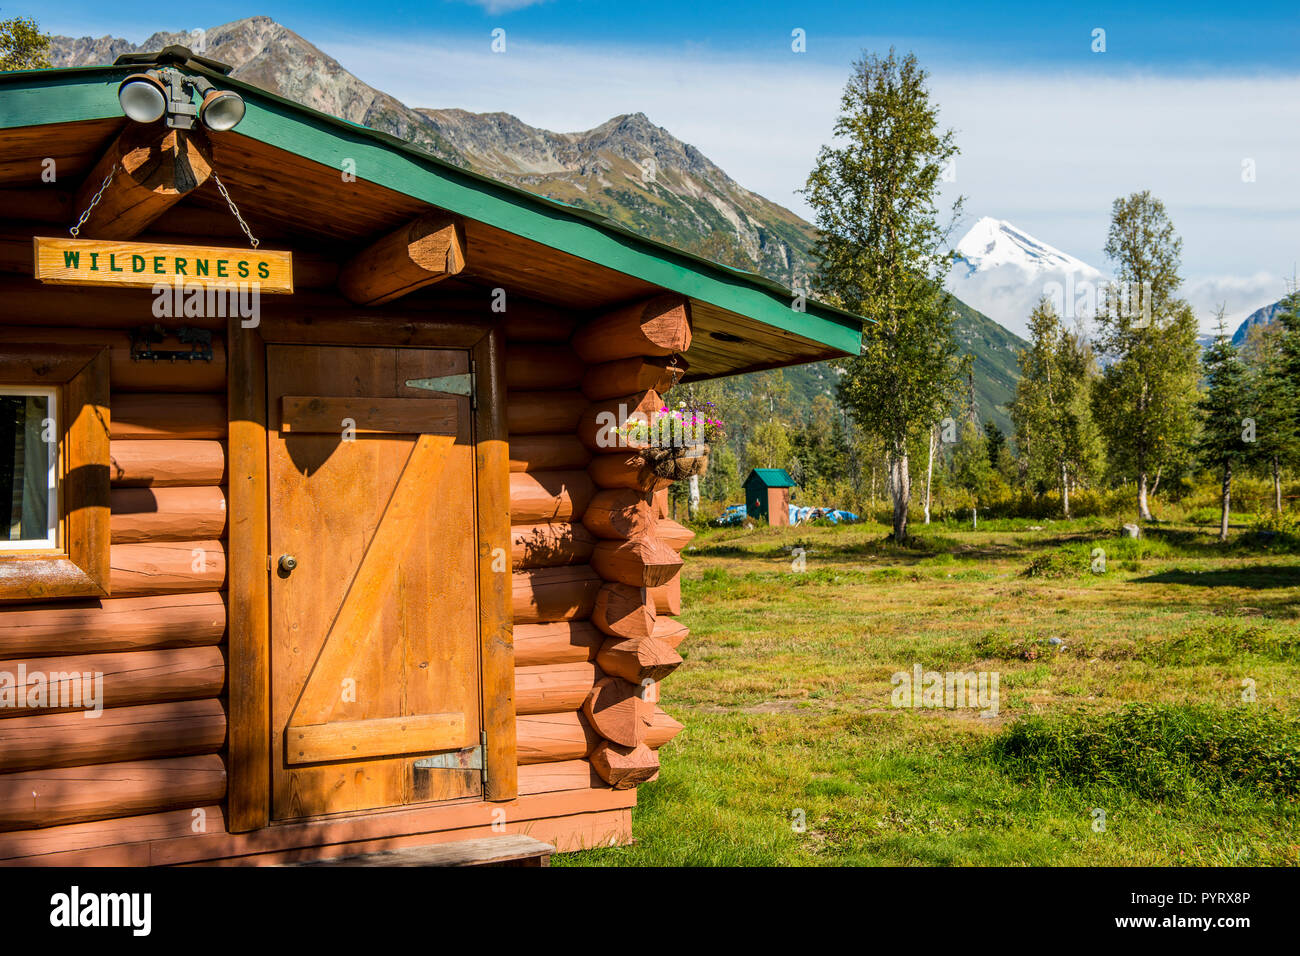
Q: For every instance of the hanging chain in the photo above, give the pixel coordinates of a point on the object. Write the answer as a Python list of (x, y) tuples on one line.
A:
[(235, 209), (76, 230), (675, 370)]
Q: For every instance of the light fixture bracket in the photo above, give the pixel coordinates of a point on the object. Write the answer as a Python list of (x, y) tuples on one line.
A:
[(181, 111)]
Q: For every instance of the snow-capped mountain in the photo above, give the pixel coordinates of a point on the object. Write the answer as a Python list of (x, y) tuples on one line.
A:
[(1003, 271), (992, 243)]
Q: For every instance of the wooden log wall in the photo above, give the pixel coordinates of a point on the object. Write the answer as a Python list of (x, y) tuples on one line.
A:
[(588, 546), (158, 641), (595, 580)]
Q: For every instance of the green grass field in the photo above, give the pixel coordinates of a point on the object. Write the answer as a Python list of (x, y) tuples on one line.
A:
[(1124, 692)]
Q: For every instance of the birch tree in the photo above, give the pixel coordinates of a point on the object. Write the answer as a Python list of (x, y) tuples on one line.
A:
[(1145, 400), (881, 253), (1223, 441), (1055, 432)]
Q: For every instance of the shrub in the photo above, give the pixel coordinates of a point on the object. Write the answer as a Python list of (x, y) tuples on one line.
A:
[(1283, 522), (1062, 563), (1161, 752), (1222, 642)]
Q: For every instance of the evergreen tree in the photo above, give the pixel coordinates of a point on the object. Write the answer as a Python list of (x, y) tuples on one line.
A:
[(1145, 400), (880, 253), (1287, 401), (1221, 444), (819, 455), (995, 442), (1271, 402)]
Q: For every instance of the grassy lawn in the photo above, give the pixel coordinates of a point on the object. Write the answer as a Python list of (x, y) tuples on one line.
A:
[(793, 753)]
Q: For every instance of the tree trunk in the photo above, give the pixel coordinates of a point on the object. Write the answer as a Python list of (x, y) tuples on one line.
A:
[(1065, 490), (1144, 510), (900, 489), (1277, 488), (974, 517), (693, 500), (929, 475), (1227, 499)]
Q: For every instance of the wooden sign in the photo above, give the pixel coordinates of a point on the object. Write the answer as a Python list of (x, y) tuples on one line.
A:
[(146, 264)]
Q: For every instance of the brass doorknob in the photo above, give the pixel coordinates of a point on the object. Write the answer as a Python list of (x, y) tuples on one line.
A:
[(288, 562)]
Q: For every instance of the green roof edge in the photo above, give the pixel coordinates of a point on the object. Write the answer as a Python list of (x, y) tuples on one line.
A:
[(43, 97)]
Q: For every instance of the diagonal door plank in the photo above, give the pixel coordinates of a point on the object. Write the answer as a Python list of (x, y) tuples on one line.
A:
[(366, 596)]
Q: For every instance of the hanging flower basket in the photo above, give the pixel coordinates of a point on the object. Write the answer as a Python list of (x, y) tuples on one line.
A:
[(679, 462), (674, 443)]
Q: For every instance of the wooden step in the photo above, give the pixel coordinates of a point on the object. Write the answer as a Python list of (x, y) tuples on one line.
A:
[(489, 851)]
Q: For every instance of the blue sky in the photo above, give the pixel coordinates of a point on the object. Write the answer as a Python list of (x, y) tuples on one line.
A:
[(1050, 130), (1179, 36)]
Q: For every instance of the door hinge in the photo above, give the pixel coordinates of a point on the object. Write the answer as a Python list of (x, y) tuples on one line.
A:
[(467, 758), (463, 384)]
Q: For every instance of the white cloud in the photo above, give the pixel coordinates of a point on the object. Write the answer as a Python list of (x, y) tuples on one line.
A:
[(1008, 294), (503, 6), (1239, 295)]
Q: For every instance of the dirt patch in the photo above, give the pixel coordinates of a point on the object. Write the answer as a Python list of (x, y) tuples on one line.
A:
[(773, 707)]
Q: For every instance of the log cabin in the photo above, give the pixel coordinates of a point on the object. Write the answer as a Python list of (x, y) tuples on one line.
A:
[(309, 552)]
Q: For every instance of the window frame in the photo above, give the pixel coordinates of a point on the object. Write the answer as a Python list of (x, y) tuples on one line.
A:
[(52, 394), (78, 565)]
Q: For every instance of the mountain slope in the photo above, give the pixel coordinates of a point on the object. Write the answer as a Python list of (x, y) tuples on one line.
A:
[(627, 169), (997, 363), (1261, 316), (275, 58), (636, 173)]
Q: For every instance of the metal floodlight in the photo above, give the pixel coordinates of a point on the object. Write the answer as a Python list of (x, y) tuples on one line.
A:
[(143, 97), (221, 109), (148, 97)]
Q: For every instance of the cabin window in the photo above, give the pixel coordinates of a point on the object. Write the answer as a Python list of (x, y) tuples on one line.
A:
[(29, 459), (54, 480)]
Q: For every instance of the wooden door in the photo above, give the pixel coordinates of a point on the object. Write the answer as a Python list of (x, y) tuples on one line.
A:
[(778, 507), (374, 630)]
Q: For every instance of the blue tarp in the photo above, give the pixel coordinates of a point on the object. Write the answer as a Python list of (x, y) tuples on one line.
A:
[(733, 514), (834, 516), (736, 514)]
